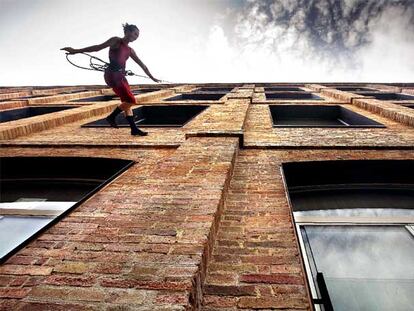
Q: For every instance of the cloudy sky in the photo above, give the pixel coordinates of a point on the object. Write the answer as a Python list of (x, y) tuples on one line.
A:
[(214, 40)]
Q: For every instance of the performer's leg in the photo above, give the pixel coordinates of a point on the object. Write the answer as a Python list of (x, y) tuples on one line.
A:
[(112, 80), (111, 118), (123, 90), (130, 117), (126, 96), (126, 108)]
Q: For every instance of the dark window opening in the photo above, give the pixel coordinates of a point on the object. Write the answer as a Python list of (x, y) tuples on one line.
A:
[(37, 192), (355, 89), (292, 96), (103, 98), (350, 184), (388, 96), (213, 90), (283, 89), (27, 112), (72, 92), (156, 116), (144, 90), (196, 96), (318, 116)]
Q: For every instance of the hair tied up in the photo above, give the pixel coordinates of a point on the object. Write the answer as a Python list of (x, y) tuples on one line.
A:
[(129, 27)]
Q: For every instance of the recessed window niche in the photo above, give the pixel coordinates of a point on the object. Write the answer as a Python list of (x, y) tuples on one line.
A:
[(318, 116), (291, 96), (102, 98), (36, 192), (388, 96), (196, 96), (355, 89), (27, 112), (156, 116), (283, 89)]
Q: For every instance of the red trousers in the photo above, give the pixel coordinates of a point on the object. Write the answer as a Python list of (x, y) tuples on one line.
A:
[(118, 82)]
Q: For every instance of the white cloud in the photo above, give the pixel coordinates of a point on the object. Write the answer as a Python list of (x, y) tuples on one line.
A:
[(390, 55), (196, 41)]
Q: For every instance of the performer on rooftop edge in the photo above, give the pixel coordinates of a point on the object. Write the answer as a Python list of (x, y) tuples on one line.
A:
[(119, 52)]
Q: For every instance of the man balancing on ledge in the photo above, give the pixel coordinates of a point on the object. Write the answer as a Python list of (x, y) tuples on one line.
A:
[(119, 51)]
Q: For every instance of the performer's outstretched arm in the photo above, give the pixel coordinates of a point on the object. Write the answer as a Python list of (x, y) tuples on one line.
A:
[(92, 48), (142, 65)]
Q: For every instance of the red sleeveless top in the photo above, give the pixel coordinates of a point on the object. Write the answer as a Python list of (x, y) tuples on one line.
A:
[(118, 57)]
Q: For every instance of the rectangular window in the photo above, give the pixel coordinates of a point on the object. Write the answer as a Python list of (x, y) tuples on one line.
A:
[(388, 96), (355, 89), (196, 96), (156, 116), (102, 98), (28, 112), (364, 267), (213, 90), (144, 90), (36, 192), (355, 225), (283, 89), (291, 96), (318, 116)]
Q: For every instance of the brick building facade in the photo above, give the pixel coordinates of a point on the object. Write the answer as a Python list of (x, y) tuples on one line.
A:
[(202, 218)]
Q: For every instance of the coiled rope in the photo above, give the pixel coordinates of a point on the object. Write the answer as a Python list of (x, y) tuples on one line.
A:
[(104, 65)]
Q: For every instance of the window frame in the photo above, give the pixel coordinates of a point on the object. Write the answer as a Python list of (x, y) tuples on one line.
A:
[(402, 221), (298, 221)]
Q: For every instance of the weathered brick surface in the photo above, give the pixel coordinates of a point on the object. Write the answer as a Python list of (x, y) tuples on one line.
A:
[(183, 88), (256, 262), (73, 134), (145, 240), (214, 121), (389, 110), (6, 105), (149, 230), (347, 97), (260, 98), (227, 119), (149, 97), (408, 91), (13, 129), (255, 234), (385, 88), (8, 90), (241, 93), (13, 95), (53, 99), (260, 133), (57, 90), (316, 87)]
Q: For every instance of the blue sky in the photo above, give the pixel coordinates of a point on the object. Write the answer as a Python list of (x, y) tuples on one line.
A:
[(213, 41)]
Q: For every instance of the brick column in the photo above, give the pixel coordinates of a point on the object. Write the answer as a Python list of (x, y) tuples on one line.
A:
[(143, 241)]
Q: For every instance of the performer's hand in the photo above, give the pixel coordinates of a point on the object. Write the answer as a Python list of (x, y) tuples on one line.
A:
[(69, 50)]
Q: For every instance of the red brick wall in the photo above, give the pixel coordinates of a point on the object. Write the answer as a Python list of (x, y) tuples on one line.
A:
[(199, 222)]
